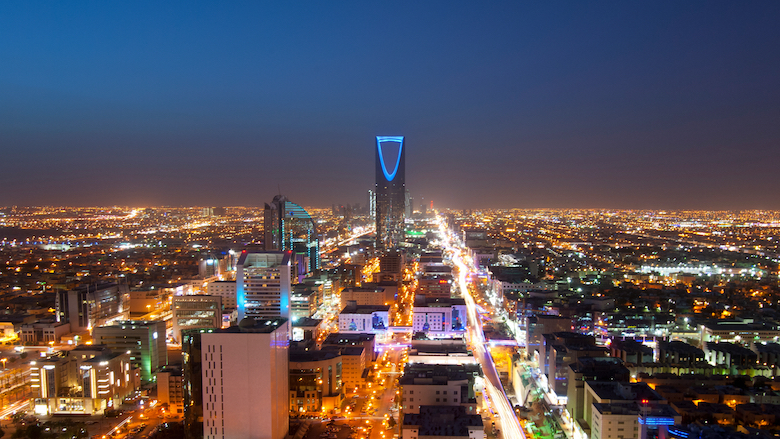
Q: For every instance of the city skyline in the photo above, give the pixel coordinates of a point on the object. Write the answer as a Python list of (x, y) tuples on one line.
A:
[(654, 106)]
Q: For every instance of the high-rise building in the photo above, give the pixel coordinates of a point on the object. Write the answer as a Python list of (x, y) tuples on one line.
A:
[(245, 382), (289, 227), (390, 191), (263, 282)]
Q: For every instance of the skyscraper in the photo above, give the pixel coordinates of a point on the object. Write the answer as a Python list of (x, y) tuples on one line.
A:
[(263, 282), (287, 226), (390, 191)]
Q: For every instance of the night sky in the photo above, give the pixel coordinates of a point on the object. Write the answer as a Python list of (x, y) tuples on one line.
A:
[(609, 104)]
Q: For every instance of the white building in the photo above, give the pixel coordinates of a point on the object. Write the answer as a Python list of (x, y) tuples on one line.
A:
[(245, 380), (360, 319), (225, 289), (263, 282), (445, 316), (439, 385), (625, 420)]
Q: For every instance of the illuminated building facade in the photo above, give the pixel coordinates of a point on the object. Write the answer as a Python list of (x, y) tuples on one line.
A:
[(144, 340), (263, 283), (86, 380), (390, 191), (192, 312), (288, 227)]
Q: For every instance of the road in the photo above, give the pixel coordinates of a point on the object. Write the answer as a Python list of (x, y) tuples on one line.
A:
[(509, 425)]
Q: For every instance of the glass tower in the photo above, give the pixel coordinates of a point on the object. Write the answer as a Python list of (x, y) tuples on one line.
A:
[(288, 227)]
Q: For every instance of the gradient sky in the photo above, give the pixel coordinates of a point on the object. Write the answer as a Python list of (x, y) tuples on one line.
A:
[(618, 104)]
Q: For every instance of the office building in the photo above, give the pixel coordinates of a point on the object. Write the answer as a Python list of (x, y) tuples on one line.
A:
[(315, 380), (390, 190), (263, 282), (440, 385), (288, 227), (245, 380), (86, 380), (225, 289), (169, 389), (368, 295), (144, 341), (435, 285), (93, 305), (192, 312)]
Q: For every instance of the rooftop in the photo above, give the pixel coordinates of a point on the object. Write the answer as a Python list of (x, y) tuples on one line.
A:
[(450, 421)]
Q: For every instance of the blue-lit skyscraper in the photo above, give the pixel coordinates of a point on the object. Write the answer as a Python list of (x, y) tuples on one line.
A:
[(390, 191), (289, 227)]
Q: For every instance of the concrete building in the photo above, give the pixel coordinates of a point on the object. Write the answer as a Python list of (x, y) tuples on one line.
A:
[(144, 341), (263, 282), (451, 422), (729, 355), (306, 329), (561, 349), (91, 305), (632, 420), (370, 295), (593, 369), (365, 341), (43, 332), (435, 285), (192, 312), (245, 380), (439, 315), (170, 390), (543, 324), (613, 392), (86, 380), (439, 385), (361, 319), (679, 353), (226, 290), (315, 380), (631, 351), (739, 331)]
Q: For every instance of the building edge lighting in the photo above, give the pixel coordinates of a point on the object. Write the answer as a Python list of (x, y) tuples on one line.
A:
[(396, 139)]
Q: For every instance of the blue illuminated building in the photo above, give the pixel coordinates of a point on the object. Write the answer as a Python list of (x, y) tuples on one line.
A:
[(390, 189), (288, 227), (263, 283)]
